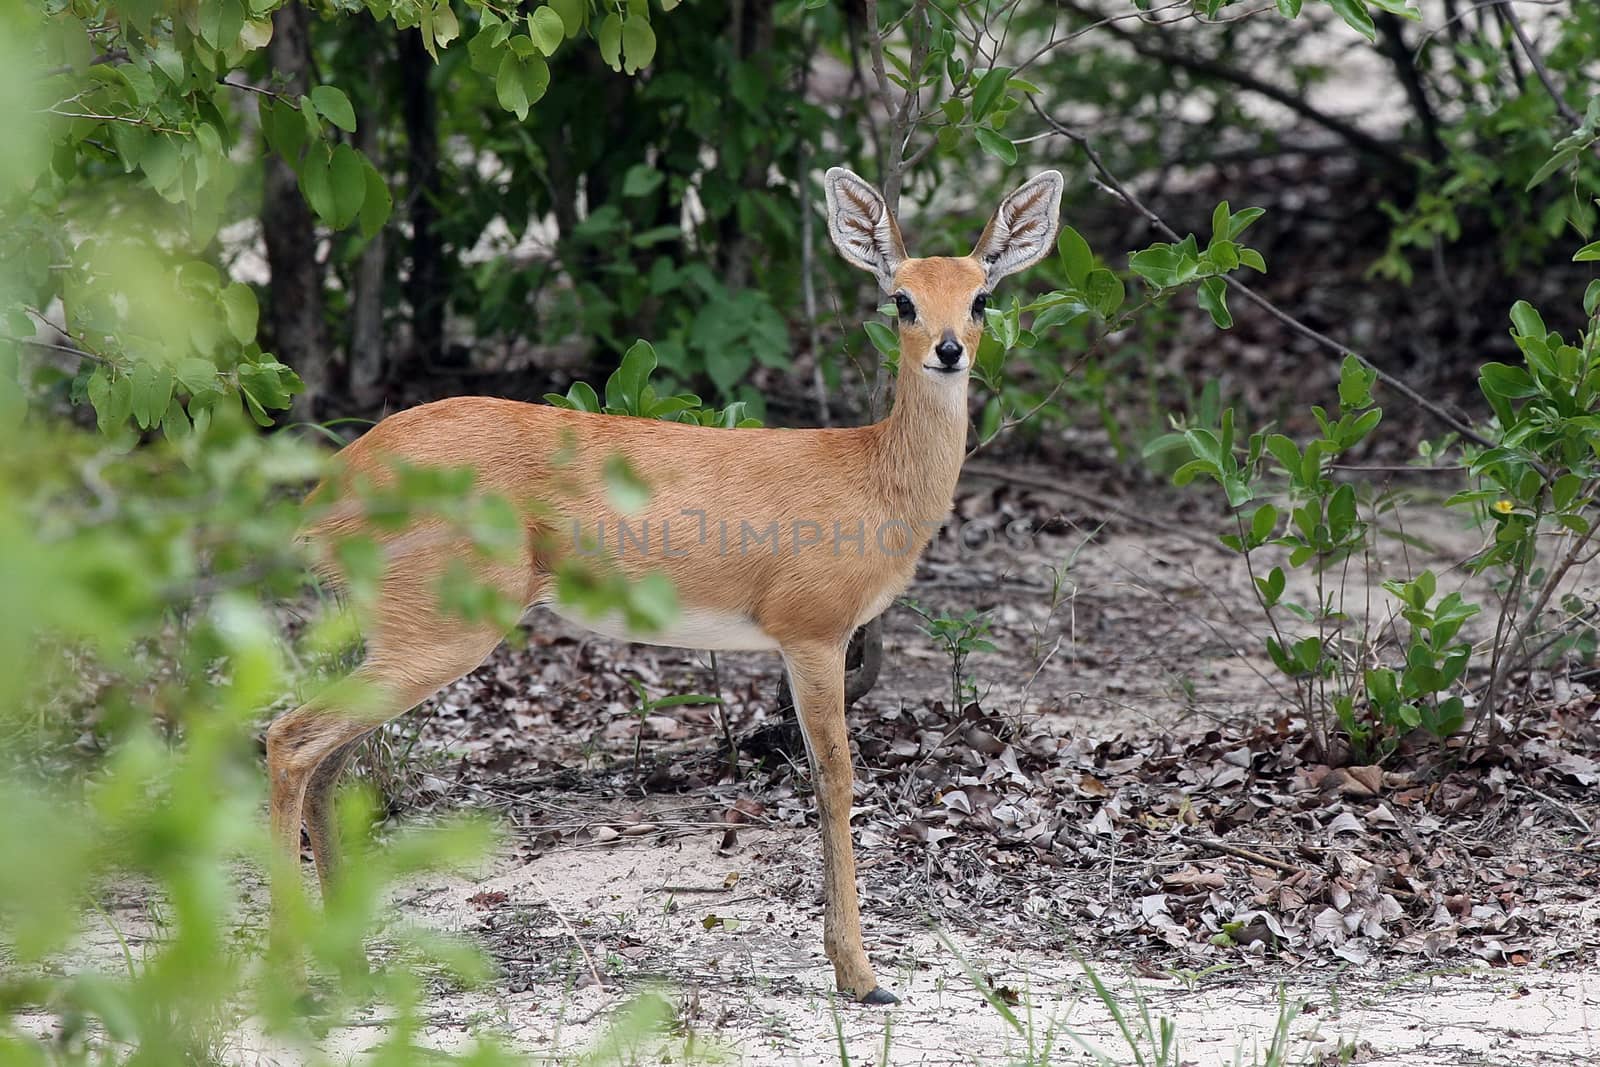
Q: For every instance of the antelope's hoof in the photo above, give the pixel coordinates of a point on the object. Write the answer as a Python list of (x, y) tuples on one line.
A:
[(880, 996)]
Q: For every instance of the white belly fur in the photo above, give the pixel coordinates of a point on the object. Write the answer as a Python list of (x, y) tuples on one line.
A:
[(693, 628)]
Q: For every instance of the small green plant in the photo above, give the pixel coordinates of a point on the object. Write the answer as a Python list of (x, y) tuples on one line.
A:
[(1535, 472), (1535, 484), (647, 706), (629, 391), (1412, 697), (959, 636), (1318, 646)]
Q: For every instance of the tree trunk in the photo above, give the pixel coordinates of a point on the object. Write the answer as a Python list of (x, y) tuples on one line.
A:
[(424, 286), (751, 29), (366, 317), (296, 327)]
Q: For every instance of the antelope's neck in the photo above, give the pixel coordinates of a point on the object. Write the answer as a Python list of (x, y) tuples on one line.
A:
[(922, 444)]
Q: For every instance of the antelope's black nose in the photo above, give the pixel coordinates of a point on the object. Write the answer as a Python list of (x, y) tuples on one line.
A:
[(948, 350)]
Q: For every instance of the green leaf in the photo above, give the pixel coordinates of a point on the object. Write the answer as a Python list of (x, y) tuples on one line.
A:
[(573, 14), (1527, 320), (348, 178), (1219, 222), (197, 376), (1164, 265), (175, 425), (652, 603), (441, 25), (151, 394), (1355, 384), (989, 90), (1272, 586), (285, 130), (377, 203), (1192, 470), (625, 387), (641, 180), (1355, 15), (1342, 511), (1365, 424), (885, 340), (1289, 8), (1574, 522), (1511, 383), (625, 489), (726, 366), (1204, 444), (609, 38), (638, 44), (1212, 297), (316, 185), (1224, 255), (1263, 523), (221, 22), (1249, 257), (334, 106), (583, 397), (508, 88), (1105, 291), (996, 145), (160, 161), (1240, 221), (535, 74), (1404, 8), (1589, 253), (239, 306), (1560, 159), (1076, 256), (1284, 451), (547, 28)]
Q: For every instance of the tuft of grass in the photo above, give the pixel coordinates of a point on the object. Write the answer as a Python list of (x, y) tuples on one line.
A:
[(1149, 1039)]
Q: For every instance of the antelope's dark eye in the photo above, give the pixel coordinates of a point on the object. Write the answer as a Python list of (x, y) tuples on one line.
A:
[(903, 305), (979, 302)]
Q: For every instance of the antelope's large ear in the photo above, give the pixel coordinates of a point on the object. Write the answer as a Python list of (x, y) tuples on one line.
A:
[(1023, 230), (861, 226)]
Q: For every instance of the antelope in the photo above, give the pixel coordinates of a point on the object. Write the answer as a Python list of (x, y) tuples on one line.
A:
[(852, 508)]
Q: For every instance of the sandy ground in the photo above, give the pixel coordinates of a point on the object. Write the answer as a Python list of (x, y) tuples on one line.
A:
[(753, 987)]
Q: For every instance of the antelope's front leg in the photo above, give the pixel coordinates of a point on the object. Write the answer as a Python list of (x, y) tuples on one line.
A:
[(816, 675)]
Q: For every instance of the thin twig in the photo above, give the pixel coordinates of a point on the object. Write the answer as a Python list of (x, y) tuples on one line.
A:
[(1459, 15), (1205, 66), (594, 972), (1572, 812), (1095, 500), (52, 346), (1278, 865), (1509, 13), (116, 55), (258, 90), (1514, 659), (1245, 854)]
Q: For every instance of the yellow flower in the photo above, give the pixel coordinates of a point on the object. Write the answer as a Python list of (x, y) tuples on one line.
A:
[(1504, 507)]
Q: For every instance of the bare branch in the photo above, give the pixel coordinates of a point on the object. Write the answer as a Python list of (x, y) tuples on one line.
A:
[(1353, 135), (1121, 191), (1509, 13)]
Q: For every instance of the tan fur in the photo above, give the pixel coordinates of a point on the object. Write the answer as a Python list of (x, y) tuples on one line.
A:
[(891, 481)]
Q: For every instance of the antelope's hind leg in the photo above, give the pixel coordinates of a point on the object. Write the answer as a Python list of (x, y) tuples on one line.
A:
[(413, 650)]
